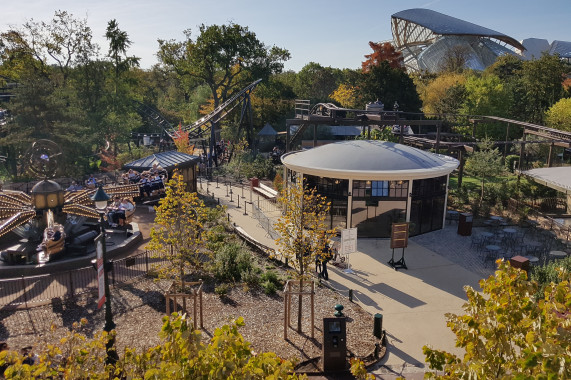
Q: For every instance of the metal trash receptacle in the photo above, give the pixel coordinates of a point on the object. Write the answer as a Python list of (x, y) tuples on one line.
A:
[(465, 222)]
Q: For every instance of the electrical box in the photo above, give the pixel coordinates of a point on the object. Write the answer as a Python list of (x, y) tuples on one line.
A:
[(334, 353)]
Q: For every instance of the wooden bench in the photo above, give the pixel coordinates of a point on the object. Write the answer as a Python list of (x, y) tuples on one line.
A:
[(266, 191)]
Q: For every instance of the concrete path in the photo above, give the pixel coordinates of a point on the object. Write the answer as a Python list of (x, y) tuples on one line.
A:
[(413, 302)]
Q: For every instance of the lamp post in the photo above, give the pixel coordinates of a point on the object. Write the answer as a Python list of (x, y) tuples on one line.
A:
[(100, 198)]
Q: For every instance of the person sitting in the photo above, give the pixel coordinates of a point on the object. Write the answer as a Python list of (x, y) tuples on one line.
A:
[(157, 184), (124, 212), (73, 187), (91, 182), (133, 176), (145, 186), (112, 209), (157, 169)]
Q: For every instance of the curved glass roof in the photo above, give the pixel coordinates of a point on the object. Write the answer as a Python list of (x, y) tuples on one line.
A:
[(369, 160), (442, 24)]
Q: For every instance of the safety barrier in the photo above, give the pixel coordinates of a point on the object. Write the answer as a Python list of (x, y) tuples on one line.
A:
[(25, 292)]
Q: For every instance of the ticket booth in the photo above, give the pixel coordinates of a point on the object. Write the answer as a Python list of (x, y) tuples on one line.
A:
[(334, 353)]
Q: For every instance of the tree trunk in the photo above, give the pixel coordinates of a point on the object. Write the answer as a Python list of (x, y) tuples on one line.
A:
[(299, 306)]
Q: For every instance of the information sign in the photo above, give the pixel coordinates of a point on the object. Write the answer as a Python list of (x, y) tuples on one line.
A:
[(348, 241)]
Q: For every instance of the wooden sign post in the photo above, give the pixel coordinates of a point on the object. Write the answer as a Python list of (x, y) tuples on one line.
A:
[(399, 239)]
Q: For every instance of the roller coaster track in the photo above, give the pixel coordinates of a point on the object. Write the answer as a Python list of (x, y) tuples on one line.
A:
[(201, 127)]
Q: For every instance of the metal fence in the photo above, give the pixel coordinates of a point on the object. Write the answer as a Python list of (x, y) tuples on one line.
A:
[(24, 292), (264, 222), (547, 222)]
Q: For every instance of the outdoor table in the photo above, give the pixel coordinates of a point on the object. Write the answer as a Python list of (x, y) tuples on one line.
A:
[(496, 218), (493, 248), (452, 215), (558, 254)]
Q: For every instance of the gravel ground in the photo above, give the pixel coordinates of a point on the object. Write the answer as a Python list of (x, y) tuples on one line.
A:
[(138, 308)]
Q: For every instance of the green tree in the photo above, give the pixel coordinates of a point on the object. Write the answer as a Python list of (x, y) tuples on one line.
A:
[(382, 82), (542, 83), (316, 83), (303, 230), (559, 115), (178, 232), (223, 57), (484, 163), (507, 334)]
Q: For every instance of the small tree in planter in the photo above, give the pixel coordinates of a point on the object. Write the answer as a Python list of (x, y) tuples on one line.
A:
[(484, 163), (303, 231), (178, 231)]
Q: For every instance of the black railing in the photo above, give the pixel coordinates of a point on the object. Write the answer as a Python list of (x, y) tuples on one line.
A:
[(25, 292)]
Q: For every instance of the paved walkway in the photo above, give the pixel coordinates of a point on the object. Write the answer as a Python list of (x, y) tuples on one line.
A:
[(413, 302)]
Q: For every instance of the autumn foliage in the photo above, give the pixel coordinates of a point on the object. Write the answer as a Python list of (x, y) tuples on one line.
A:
[(383, 52), (181, 141)]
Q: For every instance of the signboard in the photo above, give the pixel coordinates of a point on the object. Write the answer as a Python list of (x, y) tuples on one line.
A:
[(348, 241), (99, 241), (399, 235)]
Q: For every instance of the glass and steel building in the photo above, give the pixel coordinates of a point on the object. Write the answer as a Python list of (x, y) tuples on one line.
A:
[(372, 184), (427, 39)]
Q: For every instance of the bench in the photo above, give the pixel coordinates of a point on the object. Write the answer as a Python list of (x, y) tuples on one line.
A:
[(266, 191)]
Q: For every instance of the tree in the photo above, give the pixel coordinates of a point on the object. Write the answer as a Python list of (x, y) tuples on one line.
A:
[(223, 57), (542, 83), (303, 230), (315, 82), (443, 94), (178, 231), (484, 163), (59, 43), (118, 43), (181, 355), (346, 95), (389, 85), (383, 52), (507, 334), (181, 141), (559, 115), (455, 58)]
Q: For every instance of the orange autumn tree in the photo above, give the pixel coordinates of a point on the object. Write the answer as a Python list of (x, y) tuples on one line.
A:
[(181, 141), (383, 52)]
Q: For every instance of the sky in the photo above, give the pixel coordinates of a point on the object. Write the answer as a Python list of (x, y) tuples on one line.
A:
[(332, 33)]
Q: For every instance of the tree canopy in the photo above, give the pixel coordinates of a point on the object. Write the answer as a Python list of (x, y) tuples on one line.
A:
[(508, 334)]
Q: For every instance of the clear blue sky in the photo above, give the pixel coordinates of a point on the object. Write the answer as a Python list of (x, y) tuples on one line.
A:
[(333, 33)]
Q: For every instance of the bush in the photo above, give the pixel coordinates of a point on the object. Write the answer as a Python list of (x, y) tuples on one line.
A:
[(231, 261), (270, 282), (222, 289), (547, 274)]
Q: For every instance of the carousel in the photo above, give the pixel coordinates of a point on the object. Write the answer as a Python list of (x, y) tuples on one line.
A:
[(49, 219)]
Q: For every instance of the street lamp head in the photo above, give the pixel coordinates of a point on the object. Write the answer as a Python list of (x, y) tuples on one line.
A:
[(100, 199)]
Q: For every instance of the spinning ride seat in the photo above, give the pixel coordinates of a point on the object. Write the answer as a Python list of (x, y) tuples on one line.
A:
[(54, 240)]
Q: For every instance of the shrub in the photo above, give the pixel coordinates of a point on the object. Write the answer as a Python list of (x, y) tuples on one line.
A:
[(546, 274), (269, 287), (231, 261), (222, 289), (270, 282)]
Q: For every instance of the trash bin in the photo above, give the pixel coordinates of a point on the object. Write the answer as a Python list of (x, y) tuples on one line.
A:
[(465, 224)]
